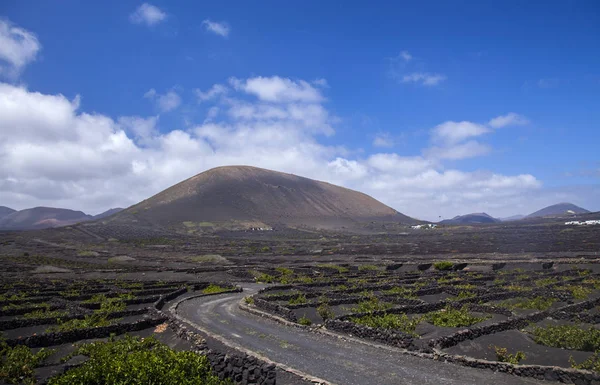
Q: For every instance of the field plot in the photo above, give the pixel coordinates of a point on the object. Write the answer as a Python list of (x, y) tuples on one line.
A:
[(103, 331), (543, 321)]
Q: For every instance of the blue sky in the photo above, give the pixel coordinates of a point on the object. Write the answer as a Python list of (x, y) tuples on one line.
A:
[(396, 99)]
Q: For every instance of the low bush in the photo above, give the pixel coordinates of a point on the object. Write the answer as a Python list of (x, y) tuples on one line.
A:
[(390, 321), (463, 294), (401, 292), (578, 292), (214, 289), (325, 311), (568, 337), (451, 317), (45, 314), (298, 300), (133, 360), (536, 303), (503, 355), (90, 321), (18, 363), (443, 265), (304, 320), (371, 304), (368, 268), (592, 363)]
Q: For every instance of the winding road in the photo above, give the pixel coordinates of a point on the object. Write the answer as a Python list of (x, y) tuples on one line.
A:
[(336, 360)]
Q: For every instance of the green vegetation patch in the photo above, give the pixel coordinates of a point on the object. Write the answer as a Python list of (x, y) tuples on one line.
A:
[(503, 355), (546, 282), (45, 313), (18, 363), (463, 294), (578, 292), (443, 265), (568, 337), (133, 360), (304, 320), (368, 268), (536, 303), (401, 292), (592, 363), (298, 300), (214, 289), (371, 304), (400, 322), (451, 317)]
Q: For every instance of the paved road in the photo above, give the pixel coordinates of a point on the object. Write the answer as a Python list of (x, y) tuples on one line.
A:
[(338, 361)]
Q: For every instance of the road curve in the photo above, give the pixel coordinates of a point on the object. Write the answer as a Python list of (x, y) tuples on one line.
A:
[(335, 360)]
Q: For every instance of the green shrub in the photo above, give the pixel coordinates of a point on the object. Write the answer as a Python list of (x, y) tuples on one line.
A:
[(298, 300), (451, 317), (578, 292), (536, 303), (304, 320), (284, 270), (133, 360), (90, 321), (249, 300), (370, 305), (368, 268), (263, 277), (390, 321), (502, 355), (325, 311), (18, 363), (45, 314), (443, 265), (592, 363), (568, 337), (401, 292), (214, 289), (463, 295), (545, 282)]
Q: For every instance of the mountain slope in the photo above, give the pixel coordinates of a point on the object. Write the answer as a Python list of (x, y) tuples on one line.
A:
[(560, 209), (512, 218), (108, 213), (4, 211), (473, 218), (237, 197), (41, 217)]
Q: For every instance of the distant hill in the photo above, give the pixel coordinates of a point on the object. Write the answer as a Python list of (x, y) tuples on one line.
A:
[(242, 197), (108, 213), (560, 209), (41, 217), (4, 211), (469, 219), (512, 218)]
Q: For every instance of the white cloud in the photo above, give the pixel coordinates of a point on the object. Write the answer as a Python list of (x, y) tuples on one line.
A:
[(383, 140), (215, 91), (424, 78), (278, 90), (454, 132), (62, 156), (470, 149), (320, 83), (147, 14), (406, 56), (18, 47), (510, 119), (221, 29), (164, 102)]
